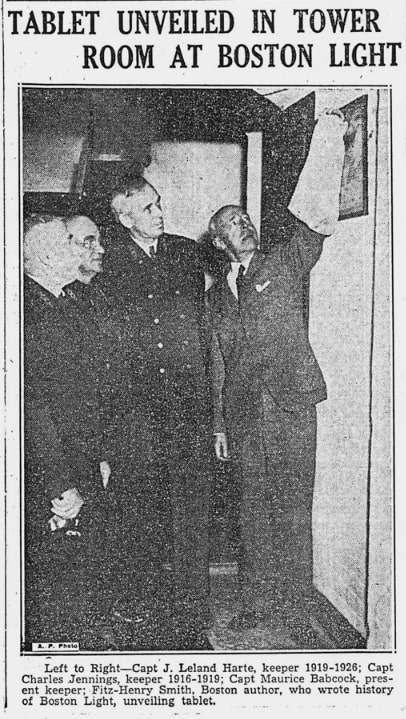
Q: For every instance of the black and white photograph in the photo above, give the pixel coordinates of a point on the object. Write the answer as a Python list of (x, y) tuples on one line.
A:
[(206, 369)]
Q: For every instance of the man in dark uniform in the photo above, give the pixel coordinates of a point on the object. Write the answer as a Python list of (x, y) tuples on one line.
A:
[(64, 502), (267, 382), (158, 282), (125, 433)]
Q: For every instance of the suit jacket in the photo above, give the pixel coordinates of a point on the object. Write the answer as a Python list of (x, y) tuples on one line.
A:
[(265, 339), (61, 397), (163, 301)]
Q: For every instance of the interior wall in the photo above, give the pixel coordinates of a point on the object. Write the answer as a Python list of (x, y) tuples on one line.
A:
[(380, 565), (54, 127), (195, 178), (50, 160), (341, 311)]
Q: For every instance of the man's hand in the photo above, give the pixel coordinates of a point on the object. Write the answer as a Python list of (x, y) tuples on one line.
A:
[(68, 505), (221, 447)]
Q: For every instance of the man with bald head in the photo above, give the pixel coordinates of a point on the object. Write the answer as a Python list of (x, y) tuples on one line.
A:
[(157, 280), (267, 382), (63, 455)]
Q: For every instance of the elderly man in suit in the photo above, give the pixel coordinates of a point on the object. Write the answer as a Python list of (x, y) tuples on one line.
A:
[(64, 462), (157, 280), (267, 381)]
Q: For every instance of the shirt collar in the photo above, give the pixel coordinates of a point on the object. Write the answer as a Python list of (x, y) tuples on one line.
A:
[(145, 246), (235, 266), (52, 285)]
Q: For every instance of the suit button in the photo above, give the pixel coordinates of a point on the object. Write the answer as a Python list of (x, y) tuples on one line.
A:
[(150, 297), (177, 292), (160, 345), (162, 371), (156, 321), (182, 317)]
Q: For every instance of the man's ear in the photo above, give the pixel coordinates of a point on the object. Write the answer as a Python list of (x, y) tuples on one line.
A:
[(219, 244), (125, 220)]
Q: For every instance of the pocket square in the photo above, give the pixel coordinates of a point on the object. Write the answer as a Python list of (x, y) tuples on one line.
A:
[(261, 288)]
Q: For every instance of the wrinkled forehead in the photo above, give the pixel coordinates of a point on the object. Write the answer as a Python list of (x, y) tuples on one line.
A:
[(81, 227)]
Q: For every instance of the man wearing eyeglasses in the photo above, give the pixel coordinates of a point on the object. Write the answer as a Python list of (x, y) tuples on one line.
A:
[(85, 243), (65, 468)]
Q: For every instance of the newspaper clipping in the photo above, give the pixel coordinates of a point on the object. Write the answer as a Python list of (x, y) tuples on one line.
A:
[(203, 268)]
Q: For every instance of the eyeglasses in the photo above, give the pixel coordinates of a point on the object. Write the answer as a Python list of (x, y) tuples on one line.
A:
[(88, 242)]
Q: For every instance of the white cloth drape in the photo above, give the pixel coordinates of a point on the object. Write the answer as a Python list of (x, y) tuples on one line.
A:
[(315, 200)]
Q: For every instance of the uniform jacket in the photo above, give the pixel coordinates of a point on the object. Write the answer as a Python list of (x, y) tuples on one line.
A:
[(61, 396), (161, 414), (163, 300), (267, 340)]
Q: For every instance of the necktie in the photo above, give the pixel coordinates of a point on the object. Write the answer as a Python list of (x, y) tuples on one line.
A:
[(152, 252), (239, 280)]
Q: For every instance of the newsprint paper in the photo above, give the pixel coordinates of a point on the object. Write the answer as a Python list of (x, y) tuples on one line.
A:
[(204, 304)]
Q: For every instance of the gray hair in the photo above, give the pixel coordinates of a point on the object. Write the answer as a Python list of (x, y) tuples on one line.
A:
[(39, 240), (127, 186)]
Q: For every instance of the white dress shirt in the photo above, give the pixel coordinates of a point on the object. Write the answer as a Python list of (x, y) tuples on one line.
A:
[(233, 274)]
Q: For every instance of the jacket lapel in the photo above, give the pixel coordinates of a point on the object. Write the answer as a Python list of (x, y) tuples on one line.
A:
[(135, 253), (225, 300), (162, 247), (254, 267)]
